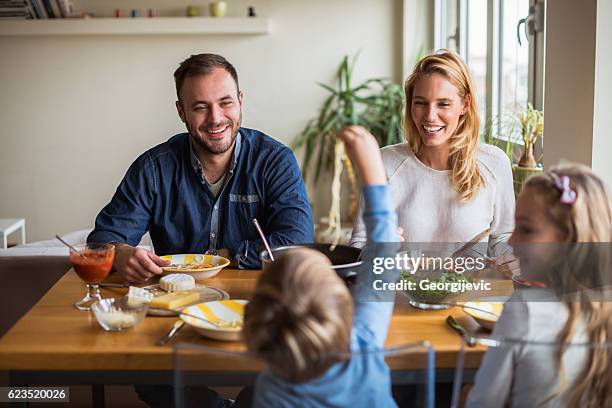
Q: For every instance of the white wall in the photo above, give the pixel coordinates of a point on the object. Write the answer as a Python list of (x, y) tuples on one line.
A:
[(602, 120), (569, 81), (76, 111), (578, 84)]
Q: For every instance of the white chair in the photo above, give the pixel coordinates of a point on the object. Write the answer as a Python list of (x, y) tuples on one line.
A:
[(535, 378), (8, 226), (198, 365)]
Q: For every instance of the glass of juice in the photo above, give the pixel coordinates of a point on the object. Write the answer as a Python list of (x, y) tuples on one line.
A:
[(92, 262)]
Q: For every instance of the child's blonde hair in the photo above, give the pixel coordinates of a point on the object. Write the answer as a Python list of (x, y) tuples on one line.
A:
[(585, 216), (588, 218), (299, 320)]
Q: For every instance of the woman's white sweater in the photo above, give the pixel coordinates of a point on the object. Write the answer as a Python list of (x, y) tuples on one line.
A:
[(428, 207)]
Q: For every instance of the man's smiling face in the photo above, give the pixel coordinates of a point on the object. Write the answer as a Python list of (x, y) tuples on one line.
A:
[(211, 108)]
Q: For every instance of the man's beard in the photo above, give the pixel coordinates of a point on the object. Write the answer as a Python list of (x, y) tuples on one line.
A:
[(215, 148)]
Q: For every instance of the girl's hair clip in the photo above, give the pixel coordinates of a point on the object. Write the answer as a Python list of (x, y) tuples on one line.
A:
[(568, 196)]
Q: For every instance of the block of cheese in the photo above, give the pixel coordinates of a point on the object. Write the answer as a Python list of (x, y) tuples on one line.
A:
[(138, 296), (175, 299), (177, 282)]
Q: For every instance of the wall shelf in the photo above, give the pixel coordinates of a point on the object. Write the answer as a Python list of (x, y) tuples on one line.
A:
[(137, 26)]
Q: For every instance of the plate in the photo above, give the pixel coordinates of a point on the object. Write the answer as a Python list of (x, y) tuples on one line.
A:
[(219, 312), (485, 313), (187, 262), (207, 294)]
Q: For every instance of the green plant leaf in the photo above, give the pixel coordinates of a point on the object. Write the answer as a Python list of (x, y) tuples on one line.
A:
[(375, 103), (329, 88)]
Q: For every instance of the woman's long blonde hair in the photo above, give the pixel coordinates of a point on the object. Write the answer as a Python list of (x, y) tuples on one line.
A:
[(466, 178), (588, 220)]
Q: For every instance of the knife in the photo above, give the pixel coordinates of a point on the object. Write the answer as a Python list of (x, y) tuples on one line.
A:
[(450, 320), (113, 285), (178, 325), (218, 325)]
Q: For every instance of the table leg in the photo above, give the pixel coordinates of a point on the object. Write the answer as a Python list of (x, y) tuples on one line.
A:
[(4, 241), (97, 396)]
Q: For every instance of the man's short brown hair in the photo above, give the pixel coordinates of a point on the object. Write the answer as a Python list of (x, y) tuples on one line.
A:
[(202, 64), (300, 318)]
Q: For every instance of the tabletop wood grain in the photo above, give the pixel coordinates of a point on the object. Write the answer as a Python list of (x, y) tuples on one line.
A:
[(54, 335)]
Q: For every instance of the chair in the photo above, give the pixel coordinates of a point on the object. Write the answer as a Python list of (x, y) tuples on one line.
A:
[(198, 366), (535, 375)]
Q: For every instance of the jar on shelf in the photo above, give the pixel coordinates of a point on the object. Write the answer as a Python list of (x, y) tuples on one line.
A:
[(218, 8)]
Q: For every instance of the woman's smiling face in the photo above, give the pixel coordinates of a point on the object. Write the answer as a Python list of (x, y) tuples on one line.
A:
[(436, 109)]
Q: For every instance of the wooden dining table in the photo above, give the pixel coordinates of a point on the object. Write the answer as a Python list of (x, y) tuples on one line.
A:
[(54, 343)]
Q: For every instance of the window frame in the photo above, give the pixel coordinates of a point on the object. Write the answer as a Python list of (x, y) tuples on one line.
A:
[(495, 51)]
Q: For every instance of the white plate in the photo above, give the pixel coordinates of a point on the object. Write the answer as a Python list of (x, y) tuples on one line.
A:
[(219, 312), (485, 312), (207, 294), (185, 260)]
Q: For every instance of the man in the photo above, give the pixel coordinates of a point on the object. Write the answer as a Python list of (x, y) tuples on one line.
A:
[(201, 190)]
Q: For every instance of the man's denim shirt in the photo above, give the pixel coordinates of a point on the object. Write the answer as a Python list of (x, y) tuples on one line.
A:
[(163, 192)]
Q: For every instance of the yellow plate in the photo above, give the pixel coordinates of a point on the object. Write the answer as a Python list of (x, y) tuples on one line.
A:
[(485, 313), (185, 263), (228, 313)]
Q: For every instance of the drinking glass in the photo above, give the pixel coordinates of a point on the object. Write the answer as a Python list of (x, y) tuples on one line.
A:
[(92, 262)]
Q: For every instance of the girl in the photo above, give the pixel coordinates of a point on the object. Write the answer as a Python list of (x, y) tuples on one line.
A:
[(560, 215)]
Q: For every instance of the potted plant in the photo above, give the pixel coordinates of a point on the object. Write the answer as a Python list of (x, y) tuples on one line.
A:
[(375, 104), (508, 130), (532, 128)]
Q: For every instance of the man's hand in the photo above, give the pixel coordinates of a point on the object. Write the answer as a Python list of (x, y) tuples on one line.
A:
[(137, 265), (224, 252), (362, 149)]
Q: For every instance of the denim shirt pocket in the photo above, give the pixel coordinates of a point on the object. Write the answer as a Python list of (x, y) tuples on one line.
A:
[(244, 198)]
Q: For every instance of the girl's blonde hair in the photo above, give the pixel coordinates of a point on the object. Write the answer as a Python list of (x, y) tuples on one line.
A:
[(466, 178), (299, 320), (587, 220)]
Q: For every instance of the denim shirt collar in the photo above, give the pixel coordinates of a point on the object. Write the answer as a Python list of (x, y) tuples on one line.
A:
[(197, 165)]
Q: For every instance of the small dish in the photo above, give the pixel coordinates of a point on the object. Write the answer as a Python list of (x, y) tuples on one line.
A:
[(114, 314), (200, 266), (485, 312), (227, 313)]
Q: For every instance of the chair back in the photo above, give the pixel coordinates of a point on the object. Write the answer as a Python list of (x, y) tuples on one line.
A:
[(536, 378), (197, 366)]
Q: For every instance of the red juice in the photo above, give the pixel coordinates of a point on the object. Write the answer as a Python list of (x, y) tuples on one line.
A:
[(92, 266)]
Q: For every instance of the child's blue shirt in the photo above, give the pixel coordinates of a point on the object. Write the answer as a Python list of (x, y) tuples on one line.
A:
[(364, 380)]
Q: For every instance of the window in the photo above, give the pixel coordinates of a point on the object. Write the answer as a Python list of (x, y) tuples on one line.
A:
[(507, 74), (514, 69)]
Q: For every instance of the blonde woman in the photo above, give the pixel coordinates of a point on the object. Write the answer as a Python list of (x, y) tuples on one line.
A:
[(445, 185), (561, 215)]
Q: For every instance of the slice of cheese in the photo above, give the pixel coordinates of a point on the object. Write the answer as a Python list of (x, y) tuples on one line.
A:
[(138, 296), (177, 282), (175, 300)]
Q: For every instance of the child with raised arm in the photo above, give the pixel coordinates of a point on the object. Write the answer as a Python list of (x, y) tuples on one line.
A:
[(561, 216), (303, 321)]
